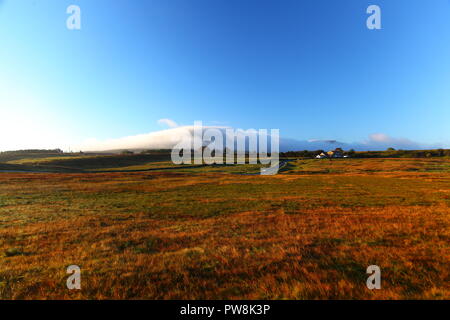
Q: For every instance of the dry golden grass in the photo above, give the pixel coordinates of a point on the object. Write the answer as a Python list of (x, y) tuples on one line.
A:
[(308, 233)]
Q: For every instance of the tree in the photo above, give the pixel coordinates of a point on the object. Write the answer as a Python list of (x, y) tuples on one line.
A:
[(390, 149)]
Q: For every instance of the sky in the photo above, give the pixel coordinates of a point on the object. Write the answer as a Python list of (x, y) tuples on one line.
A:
[(310, 68)]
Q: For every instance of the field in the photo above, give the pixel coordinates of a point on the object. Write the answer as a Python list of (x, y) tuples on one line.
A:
[(219, 232)]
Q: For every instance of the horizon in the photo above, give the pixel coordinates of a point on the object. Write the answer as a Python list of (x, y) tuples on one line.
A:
[(311, 69)]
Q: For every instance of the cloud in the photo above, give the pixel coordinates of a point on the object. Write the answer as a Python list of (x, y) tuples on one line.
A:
[(375, 142), (381, 141), (166, 122), (168, 138), (164, 139)]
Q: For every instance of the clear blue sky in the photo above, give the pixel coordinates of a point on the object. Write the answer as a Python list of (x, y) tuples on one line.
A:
[(310, 68)]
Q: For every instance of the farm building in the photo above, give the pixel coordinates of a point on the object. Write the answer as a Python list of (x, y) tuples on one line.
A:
[(335, 154)]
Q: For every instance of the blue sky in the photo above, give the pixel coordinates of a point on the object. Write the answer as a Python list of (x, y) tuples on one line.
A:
[(309, 68)]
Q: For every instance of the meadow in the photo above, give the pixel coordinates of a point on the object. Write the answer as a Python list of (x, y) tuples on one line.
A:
[(217, 232)]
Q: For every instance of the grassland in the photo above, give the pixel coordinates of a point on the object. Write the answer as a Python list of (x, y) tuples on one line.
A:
[(218, 233)]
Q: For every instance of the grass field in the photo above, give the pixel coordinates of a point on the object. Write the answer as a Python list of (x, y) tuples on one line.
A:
[(217, 233)]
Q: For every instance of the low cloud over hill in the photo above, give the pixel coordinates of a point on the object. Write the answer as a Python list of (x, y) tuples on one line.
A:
[(167, 138)]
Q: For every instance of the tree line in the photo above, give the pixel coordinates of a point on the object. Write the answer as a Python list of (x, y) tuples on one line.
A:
[(389, 153)]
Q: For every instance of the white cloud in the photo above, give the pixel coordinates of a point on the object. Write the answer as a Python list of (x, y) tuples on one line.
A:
[(168, 122), (42, 137), (379, 137), (164, 139), (379, 141), (375, 142)]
